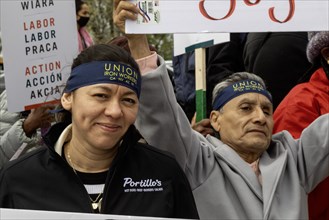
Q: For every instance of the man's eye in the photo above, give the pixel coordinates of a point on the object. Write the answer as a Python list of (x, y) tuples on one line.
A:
[(267, 112), (245, 108)]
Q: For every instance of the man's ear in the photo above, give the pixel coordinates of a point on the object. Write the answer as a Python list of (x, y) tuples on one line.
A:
[(325, 53), (66, 101), (214, 116)]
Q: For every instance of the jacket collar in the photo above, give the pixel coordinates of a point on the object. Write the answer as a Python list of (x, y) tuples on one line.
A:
[(59, 133)]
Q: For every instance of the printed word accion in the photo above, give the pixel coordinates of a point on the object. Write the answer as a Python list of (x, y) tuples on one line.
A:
[(205, 13)]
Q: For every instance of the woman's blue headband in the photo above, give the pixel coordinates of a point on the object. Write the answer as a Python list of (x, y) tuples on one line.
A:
[(97, 72), (239, 88)]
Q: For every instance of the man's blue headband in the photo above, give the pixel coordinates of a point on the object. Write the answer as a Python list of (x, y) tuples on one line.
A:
[(97, 72), (239, 88)]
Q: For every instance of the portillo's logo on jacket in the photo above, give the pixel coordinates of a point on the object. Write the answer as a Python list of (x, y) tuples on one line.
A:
[(147, 185)]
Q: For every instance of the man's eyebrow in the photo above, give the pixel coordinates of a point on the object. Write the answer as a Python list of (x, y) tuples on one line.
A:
[(253, 101), (247, 100)]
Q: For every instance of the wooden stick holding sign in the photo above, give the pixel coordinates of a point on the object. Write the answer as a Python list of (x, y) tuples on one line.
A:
[(200, 84), (198, 43)]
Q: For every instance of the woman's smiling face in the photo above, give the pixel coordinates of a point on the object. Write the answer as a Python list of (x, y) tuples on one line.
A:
[(101, 114)]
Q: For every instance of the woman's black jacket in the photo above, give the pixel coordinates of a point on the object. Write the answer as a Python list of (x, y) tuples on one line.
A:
[(142, 181)]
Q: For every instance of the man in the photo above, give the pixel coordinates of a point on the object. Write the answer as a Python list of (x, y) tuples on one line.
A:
[(245, 173)]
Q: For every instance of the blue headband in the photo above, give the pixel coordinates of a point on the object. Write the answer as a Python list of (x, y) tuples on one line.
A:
[(239, 88), (97, 72)]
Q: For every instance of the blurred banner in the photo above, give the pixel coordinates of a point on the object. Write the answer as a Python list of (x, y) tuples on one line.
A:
[(199, 16), (34, 214)]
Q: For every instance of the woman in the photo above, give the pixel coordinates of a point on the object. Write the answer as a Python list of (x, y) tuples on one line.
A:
[(83, 16), (95, 160)]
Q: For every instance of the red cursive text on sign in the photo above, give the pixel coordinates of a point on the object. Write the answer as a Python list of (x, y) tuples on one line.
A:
[(249, 3)]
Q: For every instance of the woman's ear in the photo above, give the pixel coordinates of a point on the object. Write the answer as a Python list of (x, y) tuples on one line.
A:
[(214, 115), (66, 101)]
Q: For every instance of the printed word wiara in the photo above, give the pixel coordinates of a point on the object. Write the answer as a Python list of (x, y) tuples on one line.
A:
[(272, 16), (36, 4)]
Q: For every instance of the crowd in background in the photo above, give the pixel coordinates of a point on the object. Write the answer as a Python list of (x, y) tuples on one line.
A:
[(292, 66)]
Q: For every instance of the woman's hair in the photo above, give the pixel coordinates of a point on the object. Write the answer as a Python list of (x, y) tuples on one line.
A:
[(235, 77), (105, 52), (78, 5), (98, 52)]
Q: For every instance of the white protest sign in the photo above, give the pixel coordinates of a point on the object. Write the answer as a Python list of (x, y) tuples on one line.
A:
[(35, 214), (40, 41), (195, 16), (188, 42)]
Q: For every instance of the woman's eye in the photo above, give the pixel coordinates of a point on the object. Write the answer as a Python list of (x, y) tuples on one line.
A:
[(100, 95), (129, 100)]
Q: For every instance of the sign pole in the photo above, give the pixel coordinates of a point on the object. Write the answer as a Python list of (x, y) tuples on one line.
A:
[(200, 84)]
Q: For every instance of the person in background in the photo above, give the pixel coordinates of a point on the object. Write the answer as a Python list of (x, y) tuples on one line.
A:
[(94, 155), (83, 15), (17, 128), (305, 103), (246, 173), (279, 58), (1, 58), (222, 60)]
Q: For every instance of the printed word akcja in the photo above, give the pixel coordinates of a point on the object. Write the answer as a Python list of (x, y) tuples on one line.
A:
[(205, 13), (45, 92)]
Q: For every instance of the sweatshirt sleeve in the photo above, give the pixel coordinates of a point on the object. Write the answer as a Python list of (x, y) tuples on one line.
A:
[(313, 153), (13, 138), (12, 135), (164, 125)]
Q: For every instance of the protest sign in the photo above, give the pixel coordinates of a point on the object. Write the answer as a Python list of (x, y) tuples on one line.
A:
[(39, 40), (188, 42), (199, 16), (198, 42), (35, 214)]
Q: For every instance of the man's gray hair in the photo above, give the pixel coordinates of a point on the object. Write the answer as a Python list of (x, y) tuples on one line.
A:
[(235, 77)]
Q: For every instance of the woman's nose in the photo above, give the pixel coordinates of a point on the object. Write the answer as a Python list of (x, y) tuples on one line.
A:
[(113, 109)]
